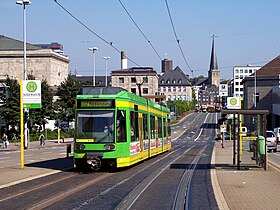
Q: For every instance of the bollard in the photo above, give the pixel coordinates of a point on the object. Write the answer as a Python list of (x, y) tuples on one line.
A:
[(68, 150)]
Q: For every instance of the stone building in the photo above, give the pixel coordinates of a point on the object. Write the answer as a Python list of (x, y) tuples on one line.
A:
[(139, 80), (41, 63), (175, 85)]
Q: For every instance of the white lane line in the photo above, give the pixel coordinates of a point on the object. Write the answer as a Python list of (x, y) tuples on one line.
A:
[(201, 128)]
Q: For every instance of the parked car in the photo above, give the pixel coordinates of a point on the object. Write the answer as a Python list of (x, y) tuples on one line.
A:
[(271, 141), (277, 133)]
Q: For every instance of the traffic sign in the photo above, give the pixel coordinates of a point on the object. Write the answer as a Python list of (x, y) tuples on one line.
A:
[(31, 93)]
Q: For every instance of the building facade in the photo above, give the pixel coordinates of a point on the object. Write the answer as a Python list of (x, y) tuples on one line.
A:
[(175, 85), (41, 63), (139, 80), (240, 73)]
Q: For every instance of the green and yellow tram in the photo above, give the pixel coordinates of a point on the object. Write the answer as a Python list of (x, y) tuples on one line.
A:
[(116, 128)]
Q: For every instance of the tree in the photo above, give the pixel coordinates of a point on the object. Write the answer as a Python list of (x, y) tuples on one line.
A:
[(67, 92), (10, 99)]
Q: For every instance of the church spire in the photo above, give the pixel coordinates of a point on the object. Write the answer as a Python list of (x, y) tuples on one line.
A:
[(213, 60), (214, 73)]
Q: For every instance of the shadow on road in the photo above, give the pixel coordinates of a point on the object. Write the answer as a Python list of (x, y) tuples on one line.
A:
[(56, 164)]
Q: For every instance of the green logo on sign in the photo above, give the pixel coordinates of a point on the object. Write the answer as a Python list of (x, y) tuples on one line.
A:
[(31, 86)]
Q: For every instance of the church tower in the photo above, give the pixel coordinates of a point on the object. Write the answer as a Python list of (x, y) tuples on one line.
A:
[(214, 73)]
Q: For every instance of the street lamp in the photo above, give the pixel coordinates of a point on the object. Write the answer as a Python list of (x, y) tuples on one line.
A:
[(106, 58), (24, 3), (93, 49)]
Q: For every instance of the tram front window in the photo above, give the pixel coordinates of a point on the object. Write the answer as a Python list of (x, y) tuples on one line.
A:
[(96, 124)]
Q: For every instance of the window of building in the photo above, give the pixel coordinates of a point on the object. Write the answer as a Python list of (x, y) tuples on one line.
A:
[(133, 79), (133, 90), (246, 71), (145, 90), (169, 89), (236, 83), (241, 71), (121, 79), (250, 70), (241, 89), (168, 81), (162, 81), (236, 89), (145, 79), (180, 81), (236, 71), (174, 81)]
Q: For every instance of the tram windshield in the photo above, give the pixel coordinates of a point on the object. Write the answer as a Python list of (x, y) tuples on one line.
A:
[(96, 124)]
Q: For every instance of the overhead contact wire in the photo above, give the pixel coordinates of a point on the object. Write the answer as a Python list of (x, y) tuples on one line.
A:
[(84, 25), (177, 39), (134, 22)]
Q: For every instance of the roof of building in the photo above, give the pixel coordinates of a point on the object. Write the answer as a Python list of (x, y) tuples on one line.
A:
[(202, 81), (272, 68), (135, 71), (176, 78), (9, 44)]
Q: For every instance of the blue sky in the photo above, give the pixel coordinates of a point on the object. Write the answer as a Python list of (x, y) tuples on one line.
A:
[(247, 31)]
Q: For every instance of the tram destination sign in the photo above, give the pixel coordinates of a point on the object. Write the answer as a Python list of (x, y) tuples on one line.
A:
[(31, 94), (95, 104)]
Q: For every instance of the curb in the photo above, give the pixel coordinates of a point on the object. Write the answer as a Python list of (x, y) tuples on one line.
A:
[(221, 201)]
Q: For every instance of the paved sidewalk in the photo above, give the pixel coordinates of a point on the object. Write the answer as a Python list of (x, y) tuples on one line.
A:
[(14, 174), (250, 187)]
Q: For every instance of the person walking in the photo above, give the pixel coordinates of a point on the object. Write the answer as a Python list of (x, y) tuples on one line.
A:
[(5, 141), (42, 139)]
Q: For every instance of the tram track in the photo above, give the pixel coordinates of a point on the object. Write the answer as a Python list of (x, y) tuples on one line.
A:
[(167, 174), (45, 194)]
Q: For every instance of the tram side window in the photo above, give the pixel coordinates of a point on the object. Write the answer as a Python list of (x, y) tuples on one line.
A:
[(153, 127), (169, 127), (145, 126), (159, 127), (121, 126), (164, 127), (134, 126)]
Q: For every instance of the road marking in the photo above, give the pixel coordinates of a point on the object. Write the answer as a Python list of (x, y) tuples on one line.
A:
[(201, 128)]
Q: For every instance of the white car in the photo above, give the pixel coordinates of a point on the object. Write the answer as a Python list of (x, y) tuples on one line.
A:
[(271, 141)]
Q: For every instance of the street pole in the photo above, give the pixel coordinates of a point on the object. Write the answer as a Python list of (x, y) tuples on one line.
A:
[(106, 59), (93, 49), (25, 134), (255, 91)]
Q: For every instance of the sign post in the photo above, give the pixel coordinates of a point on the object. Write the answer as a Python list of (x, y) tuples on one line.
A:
[(30, 97)]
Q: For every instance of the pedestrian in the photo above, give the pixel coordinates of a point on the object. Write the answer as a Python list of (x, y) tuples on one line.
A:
[(42, 139), (5, 141)]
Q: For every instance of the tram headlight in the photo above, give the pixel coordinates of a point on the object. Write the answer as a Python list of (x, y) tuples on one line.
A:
[(109, 147), (79, 147)]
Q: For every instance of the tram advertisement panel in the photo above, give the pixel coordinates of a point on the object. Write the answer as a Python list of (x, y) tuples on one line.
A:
[(146, 145), (134, 148), (153, 143)]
